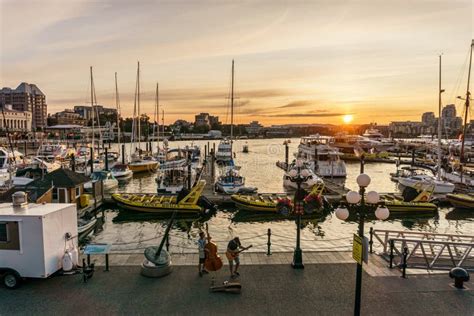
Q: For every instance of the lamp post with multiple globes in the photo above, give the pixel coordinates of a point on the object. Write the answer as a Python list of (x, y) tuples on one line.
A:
[(361, 204), (298, 176)]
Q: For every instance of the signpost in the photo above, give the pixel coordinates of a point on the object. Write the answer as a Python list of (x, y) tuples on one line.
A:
[(357, 249), (360, 246)]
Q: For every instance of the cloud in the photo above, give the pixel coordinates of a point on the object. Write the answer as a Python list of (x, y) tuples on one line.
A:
[(306, 115), (296, 104)]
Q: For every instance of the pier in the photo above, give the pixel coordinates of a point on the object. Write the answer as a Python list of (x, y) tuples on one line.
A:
[(324, 287)]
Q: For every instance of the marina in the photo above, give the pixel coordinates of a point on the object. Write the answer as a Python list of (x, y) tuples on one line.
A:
[(237, 158)]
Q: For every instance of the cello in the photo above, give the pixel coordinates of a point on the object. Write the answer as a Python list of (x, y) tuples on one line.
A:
[(213, 261)]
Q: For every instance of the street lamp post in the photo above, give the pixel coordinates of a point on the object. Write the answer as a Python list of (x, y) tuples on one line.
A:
[(361, 204), (298, 177)]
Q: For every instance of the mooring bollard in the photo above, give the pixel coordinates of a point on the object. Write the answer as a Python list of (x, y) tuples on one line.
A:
[(392, 245), (269, 243), (371, 241), (404, 265)]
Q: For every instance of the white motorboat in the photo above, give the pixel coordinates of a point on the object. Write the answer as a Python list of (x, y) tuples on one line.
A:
[(373, 134), (426, 182), (224, 151), (173, 180), (321, 156), (230, 181), (106, 177), (121, 172), (306, 171)]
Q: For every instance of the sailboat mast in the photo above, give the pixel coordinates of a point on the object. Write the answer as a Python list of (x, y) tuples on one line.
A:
[(138, 107), (92, 109), (232, 108), (439, 121), (468, 95), (117, 104), (163, 122), (157, 119)]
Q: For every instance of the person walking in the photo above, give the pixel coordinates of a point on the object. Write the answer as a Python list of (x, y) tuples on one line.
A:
[(234, 248), (202, 253)]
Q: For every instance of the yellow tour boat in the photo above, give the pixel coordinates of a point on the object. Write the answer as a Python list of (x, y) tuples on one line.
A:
[(460, 200), (267, 202), (421, 203), (158, 203)]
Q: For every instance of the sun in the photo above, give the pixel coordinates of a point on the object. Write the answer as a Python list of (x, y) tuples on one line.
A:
[(347, 118)]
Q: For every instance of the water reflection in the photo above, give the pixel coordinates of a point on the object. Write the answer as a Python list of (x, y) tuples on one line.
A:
[(134, 230)]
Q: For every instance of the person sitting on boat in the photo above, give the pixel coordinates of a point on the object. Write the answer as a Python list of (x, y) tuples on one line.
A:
[(202, 253)]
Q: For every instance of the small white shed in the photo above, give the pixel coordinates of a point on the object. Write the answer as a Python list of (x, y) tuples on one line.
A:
[(33, 238)]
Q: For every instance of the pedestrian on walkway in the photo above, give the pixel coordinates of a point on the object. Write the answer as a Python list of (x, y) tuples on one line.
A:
[(234, 248), (202, 253)]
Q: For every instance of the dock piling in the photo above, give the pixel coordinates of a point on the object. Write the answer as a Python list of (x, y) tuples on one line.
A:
[(286, 155), (123, 153), (106, 159), (92, 158), (371, 241)]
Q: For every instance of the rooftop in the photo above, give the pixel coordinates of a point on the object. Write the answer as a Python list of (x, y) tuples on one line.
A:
[(7, 209)]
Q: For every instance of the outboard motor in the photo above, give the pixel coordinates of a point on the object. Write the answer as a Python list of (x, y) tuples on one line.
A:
[(409, 194), (182, 194)]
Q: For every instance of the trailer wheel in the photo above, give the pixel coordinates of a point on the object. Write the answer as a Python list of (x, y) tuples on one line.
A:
[(11, 280)]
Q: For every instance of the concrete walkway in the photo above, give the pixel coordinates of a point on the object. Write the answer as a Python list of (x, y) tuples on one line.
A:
[(377, 265), (272, 289)]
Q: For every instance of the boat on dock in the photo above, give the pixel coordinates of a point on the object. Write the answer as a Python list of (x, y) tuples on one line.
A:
[(162, 203), (121, 172), (268, 202), (460, 200), (324, 158), (406, 204)]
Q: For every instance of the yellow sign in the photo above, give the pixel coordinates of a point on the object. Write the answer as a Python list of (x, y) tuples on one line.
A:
[(357, 249)]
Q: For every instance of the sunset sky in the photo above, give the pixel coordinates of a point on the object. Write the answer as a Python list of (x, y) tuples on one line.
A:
[(296, 61)]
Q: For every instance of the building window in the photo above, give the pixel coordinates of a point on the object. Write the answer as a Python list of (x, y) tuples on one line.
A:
[(3, 232)]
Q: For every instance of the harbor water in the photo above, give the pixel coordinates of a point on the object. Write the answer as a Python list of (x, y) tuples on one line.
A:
[(132, 231)]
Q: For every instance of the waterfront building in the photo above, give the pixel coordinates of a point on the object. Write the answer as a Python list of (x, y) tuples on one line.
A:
[(85, 111), (15, 120), (206, 120), (428, 118), (66, 117), (253, 128), (451, 124), (27, 98)]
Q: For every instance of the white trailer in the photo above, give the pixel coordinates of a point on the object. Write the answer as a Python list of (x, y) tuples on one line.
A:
[(34, 238)]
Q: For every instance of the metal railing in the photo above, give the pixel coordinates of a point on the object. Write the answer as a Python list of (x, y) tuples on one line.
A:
[(424, 250)]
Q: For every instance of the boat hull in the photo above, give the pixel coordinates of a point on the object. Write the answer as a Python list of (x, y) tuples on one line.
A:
[(165, 207), (143, 167), (463, 201), (256, 203), (410, 207)]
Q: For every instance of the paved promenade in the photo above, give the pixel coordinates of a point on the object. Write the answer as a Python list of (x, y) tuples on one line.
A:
[(322, 288)]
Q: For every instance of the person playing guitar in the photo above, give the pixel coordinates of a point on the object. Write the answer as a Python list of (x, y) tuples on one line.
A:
[(234, 248)]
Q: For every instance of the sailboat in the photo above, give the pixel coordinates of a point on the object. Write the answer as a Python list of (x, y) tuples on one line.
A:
[(230, 181), (138, 161), (440, 186), (120, 172), (462, 175)]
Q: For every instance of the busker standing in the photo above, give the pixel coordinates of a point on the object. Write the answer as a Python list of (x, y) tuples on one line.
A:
[(202, 253), (234, 248)]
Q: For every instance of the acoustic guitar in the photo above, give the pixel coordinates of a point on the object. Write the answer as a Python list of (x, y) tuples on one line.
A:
[(231, 255)]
